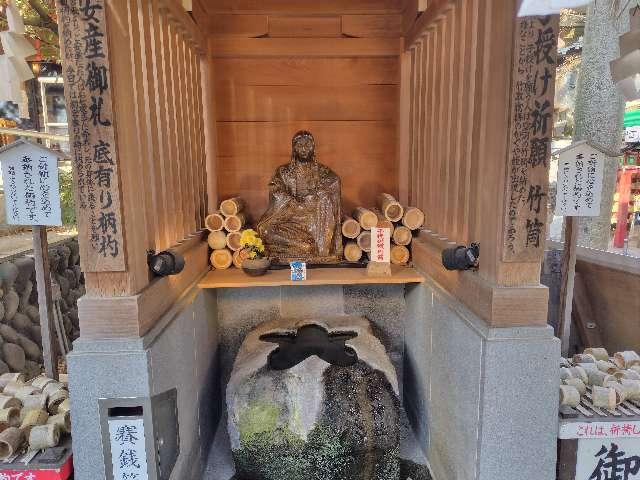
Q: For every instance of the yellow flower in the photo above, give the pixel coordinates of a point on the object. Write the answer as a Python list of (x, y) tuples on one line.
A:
[(248, 237)]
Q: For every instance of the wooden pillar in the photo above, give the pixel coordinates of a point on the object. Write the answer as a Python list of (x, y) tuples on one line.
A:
[(45, 299)]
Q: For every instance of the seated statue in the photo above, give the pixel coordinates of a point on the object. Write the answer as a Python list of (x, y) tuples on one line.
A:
[(303, 218)]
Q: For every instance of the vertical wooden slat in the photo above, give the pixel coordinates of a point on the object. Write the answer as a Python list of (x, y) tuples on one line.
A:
[(412, 123), (185, 177), (432, 133), (417, 113), (199, 126), (192, 138), (419, 172), (404, 112), (453, 99), (447, 107)]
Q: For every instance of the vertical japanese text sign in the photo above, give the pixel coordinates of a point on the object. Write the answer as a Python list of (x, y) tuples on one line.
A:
[(380, 245), (31, 188), (128, 450), (531, 129), (85, 53), (580, 175)]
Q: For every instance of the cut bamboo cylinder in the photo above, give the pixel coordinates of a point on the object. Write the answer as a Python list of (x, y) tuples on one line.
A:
[(632, 388), (62, 420), (9, 402), (390, 207), (630, 375), (365, 217), (233, 241), (64, 406), (234, 223), (217, 240), (44, 436), (565, 373), (12, 388), (383, 222), (596, 377), (41, 382), (11, 416), (53, 387), (232, 206), (584, 358), (364, 241), (569, 396), (621, 392), (603, 397), (350, 228), (214, 222), (413, 218), (400, 255), (402, 236), (32, 418), (606, 366), (240, 256), (579, 372), (626, 359), (37, 401), (352, 252), (598, 353), (5, 378), (587, 366), (11, 440), (55, 400), (577, 384), (25, 391), (221, 259)]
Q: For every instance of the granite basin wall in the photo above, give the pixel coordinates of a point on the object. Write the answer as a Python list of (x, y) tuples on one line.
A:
[(20, 337), (483, 401), (179, 353)]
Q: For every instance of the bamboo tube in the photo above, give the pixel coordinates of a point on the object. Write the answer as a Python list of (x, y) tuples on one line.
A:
[(44, 436), (630, 375), (55, 400), (603, 397), (234, 223), (632, 388), (217, 240), (365, 217), (577, 384), (11, 440), (626, 359), (565, 373), (62, 420), (12, 388), (587, 366), (240, 256), (564, 362), (413, 218), (25, 391), (598, 353), (584, 358), (5, 378), (52, 388), (37, 401), (41, 382), (364, 241), (579, 372), (33, 418), (350, 228), (232, 206), (9, 402), (383, 222), (621, 393), (64, 406), (596, 377), (214, 222), (606, 366), (10, 416), (390, 207), (402, 236), (352, 252), (569, 396), (233, 241), (221, 259), (400, 255)]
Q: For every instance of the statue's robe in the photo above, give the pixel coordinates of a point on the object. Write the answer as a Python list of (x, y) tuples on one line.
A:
[(303, 218)]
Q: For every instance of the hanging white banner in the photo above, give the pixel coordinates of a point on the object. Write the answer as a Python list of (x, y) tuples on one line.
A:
[(547, 7)]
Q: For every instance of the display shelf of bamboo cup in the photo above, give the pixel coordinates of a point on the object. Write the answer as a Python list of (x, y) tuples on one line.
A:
[(388, 213), (595, 379), (34, 414), (225, 227)]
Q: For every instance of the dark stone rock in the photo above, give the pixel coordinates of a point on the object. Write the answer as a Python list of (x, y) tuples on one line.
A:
[(26, 269)]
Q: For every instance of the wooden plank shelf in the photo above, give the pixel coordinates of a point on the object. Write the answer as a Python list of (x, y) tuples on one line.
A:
[(235, 278)]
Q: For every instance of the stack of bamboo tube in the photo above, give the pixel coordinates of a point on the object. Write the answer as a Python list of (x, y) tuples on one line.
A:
[(33, 414), (594, 377), (225, 227), (388, 213)]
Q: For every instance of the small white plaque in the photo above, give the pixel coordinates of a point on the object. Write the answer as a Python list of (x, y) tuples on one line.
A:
[(580, 175), (128, 452), (579, 430), (632, 134), (608, 459), (31, 188), (380, 245)]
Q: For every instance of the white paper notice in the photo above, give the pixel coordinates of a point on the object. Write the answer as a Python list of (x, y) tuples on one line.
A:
[(580, 173), (31, 189), (547, 7), (380, 245), (128, 452), (616, 458)]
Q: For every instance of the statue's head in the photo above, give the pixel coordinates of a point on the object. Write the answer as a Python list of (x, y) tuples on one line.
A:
[(304, 147)]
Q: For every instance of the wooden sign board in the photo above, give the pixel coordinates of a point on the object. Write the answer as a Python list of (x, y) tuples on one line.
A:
[(380, 245), (580, 177), (85, 53), (31, 187), (532, 91)]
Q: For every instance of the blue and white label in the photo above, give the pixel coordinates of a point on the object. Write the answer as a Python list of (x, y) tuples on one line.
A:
[(298, 271)]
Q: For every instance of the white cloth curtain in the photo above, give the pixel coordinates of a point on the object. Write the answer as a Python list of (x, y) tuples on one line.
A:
[(14, 69)]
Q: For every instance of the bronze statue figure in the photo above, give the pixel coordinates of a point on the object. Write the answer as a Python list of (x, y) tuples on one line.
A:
[(303, 218)]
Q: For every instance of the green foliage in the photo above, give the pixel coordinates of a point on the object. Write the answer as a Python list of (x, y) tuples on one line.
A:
[(41, 24), (67, 203)]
